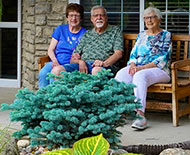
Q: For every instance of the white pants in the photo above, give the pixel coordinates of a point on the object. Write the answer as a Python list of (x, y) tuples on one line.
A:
[(142, 79)]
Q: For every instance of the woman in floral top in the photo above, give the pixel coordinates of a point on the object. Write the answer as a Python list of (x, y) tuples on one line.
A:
[(149, 61)]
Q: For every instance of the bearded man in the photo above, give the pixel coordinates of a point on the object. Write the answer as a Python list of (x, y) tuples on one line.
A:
[(99, 48)]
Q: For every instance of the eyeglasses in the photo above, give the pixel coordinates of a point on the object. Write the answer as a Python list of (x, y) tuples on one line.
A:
[(101, 15), (73, 15), (150, 17)]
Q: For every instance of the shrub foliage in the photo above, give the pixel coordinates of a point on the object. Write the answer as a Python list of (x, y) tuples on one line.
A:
[(75, 106)]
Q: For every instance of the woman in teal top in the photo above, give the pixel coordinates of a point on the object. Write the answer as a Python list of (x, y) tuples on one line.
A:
[(149, 61), (152, 48)]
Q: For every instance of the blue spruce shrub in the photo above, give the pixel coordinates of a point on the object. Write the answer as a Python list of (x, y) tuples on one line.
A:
[(75, 106)]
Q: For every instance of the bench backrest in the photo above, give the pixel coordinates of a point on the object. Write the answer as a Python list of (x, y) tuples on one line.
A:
[(180, 47)]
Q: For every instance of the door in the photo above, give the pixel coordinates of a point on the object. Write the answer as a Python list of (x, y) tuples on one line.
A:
[(10, 38)]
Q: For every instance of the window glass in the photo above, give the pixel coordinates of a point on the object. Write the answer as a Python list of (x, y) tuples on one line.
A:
[(112, 5), (8, 10), (178, 23), (120, 12), (178, 5), (159, 4), (175, 14), (86, 21), (131, 5), (126, 14), (131, 23), (8, 53)]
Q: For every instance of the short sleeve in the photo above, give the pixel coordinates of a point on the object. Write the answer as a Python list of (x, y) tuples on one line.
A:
[(56, 33)]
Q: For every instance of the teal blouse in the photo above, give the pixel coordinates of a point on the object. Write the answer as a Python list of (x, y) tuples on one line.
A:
[(155, 48)]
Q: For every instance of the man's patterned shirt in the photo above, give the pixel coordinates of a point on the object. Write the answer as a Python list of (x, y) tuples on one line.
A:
[(94, 46)]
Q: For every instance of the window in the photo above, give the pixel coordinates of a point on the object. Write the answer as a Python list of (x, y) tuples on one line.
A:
[(175, 14), (126, 13), (119, 12), (10, 43)]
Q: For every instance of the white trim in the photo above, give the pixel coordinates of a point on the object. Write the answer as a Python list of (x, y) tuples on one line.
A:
[(140, 15), (14, 83), (9, 24), (10, 83), (74, 1), (166, 16), (19, 45)]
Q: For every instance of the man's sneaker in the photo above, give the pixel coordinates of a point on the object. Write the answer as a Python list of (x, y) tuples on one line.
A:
[(140, 123)]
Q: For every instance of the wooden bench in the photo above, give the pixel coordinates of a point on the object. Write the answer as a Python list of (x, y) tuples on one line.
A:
[(178, 88)]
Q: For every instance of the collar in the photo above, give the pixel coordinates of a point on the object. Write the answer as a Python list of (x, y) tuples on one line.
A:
[(108, 28)]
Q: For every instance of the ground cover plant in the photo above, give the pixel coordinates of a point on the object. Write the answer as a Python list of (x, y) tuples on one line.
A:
[(7, 143), (3, 138), (75, 106)]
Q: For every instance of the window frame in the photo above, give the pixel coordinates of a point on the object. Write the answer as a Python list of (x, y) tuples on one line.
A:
[(14, 83), (142, 6)]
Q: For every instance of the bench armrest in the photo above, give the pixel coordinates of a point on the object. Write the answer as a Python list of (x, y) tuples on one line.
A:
[(42, 61), (180, 65), (183, 65)]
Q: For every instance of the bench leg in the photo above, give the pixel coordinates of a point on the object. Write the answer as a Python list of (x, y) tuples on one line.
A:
[(175, 110)]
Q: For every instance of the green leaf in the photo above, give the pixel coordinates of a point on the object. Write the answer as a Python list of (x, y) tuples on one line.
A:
[(66, 151), (96, 145)]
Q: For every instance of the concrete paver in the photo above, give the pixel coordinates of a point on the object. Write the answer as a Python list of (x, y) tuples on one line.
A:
[(161, 130)]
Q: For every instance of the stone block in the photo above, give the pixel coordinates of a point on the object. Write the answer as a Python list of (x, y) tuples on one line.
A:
[(31, 2), (28, 37), (175, 151), (59, 7), (38, 31), (27, 84), (27, 26), (59, 17), (31, 76), (54, 23), (40, 20), (29, 57), (40, 53), (41, 40), (42, 47), (47, 31), (26, 65), (30, 11), (42, 8), (28, 48), (30, 19)]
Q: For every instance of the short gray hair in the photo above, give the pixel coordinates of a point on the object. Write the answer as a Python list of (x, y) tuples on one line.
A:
[(98, 7), (152, 9)]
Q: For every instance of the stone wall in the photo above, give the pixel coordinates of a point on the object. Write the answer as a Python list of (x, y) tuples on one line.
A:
[(39, 19)]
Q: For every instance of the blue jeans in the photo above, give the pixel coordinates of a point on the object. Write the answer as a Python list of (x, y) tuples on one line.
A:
[(43, 82), (73, 67)]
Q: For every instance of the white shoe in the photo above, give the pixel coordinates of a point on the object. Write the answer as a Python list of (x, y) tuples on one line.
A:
[(140, 123)]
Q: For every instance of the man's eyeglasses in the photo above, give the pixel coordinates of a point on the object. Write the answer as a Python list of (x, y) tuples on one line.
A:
[(150, 17), (72, 15), (101, 15)]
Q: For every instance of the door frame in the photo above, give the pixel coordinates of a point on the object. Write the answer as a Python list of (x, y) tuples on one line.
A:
[(14, 83)]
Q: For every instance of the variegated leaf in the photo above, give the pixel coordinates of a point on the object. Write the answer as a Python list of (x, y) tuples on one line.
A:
[(96, 145)]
